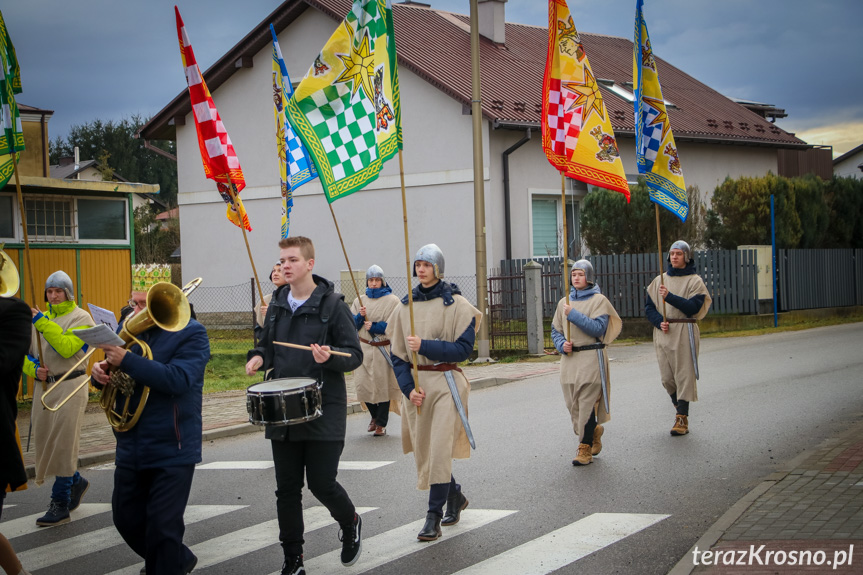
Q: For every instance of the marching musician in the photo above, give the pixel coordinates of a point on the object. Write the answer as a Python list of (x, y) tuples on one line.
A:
[(57, 433), (584, 373), (15, 317), (375, 381), (155, 459), (446, 325), (676, 337), (307, 311)]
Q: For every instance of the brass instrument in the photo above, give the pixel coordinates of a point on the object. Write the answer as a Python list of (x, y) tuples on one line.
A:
[(167, 308), (9, 280)]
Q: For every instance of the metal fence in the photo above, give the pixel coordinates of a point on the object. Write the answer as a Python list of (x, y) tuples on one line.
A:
[(819, 278)]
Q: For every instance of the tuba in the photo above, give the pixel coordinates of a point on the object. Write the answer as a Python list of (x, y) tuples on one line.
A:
[(167, 308)]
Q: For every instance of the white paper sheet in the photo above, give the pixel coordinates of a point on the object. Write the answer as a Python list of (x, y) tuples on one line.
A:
[(99, 335)]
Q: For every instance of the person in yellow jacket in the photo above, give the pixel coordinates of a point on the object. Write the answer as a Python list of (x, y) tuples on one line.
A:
[(57, 433)]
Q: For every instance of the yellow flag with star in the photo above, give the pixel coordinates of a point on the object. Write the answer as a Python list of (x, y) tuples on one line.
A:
[(346, 109)]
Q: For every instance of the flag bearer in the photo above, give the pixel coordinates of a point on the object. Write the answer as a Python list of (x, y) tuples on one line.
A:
[(433, 428), (676, 338), (584, 370)]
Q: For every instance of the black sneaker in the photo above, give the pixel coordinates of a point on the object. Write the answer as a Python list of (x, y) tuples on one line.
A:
[(293, 565), (352, 541), (58, 513), (187, 568), (78, 491)]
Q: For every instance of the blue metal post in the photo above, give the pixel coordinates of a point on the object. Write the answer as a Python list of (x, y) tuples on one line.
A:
[(773, 241)]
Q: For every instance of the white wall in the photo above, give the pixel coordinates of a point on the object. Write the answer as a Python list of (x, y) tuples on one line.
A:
[(847, 168)]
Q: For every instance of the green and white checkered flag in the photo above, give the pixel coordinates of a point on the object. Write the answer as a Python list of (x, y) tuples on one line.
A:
[(12, 135), (345, 109)]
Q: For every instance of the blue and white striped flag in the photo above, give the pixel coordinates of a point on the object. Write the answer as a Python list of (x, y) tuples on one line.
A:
[(295, 166)]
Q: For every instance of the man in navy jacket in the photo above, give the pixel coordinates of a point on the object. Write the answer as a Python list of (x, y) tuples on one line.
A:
[(156, 459)]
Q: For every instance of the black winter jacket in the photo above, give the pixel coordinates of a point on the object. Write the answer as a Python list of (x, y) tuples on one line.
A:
[(15, 330), (325, 319)]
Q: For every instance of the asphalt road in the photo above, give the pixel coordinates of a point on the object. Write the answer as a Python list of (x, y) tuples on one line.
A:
[(637, 509)]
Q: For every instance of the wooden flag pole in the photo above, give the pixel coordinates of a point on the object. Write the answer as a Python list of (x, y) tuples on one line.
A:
[(414, 357), (27, 257), (245, 237), (344, 251), (661, 262), (566, 276)]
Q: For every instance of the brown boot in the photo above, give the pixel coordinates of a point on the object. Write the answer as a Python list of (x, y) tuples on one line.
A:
[(380, 431), (681, 425), (596, 447), (583, 457), (372, 425)]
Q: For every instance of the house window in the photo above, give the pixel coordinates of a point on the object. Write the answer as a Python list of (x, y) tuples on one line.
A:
[(101, 219), (7, 218), (548, 224), (49, 218)]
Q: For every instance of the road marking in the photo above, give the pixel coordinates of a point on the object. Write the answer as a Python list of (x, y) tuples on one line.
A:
[(400, 542), (236, 465), (565, 545), (239, 543), (101, 539), (27, 525), (362, 465), (343, 465)]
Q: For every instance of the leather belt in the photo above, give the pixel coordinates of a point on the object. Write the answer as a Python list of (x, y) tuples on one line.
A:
[(376, 343), (440, 367), (72, 375), (588, 347), (682, 320)]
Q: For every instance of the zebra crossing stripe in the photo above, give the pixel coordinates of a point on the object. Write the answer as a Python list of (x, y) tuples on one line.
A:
[(238, 543), (343, 465), (400, 542), (236, 465), (565, 545), (27, 525), (84, 544)]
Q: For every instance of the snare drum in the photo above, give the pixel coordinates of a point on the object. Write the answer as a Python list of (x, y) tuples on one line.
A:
[(284, 401)]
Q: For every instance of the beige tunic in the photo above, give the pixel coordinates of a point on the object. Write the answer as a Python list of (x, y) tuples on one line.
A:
[(672, 349), (436, 434), (375, 379), (57, 434), (579, 371), (259, 317)]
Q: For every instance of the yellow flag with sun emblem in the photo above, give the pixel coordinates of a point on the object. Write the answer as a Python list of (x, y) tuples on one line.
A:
[(346, 109)]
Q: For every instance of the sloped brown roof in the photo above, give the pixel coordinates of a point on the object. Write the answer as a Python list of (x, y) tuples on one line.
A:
[(436, 46)]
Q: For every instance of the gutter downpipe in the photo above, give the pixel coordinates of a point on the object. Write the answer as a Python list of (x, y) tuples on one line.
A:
[(506, 207)]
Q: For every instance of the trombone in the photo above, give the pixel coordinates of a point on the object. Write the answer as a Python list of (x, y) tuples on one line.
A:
[(170, 311)]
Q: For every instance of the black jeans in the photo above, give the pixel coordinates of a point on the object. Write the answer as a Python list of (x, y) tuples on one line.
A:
[(320, 460), (148, 507), (380, 412)]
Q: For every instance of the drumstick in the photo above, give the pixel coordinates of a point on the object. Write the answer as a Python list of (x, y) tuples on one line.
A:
[(296, 346)]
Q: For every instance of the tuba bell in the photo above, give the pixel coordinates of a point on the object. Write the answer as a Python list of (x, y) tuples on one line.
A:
[(9, 280)]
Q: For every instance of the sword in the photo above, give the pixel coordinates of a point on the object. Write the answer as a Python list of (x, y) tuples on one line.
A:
[(383, 351), (692, 348), (450, 381), (603, 377)]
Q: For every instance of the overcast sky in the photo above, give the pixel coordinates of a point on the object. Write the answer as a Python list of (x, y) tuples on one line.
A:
[(110, 59)]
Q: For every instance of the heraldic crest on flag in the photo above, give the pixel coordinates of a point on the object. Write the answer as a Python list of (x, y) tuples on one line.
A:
[(346, 109), (217, 152), (656, 152), (576, 129), (12, 134), (295, 166)]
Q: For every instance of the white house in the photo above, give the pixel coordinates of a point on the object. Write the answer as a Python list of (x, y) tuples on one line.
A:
[(716, 138), (850, 164)]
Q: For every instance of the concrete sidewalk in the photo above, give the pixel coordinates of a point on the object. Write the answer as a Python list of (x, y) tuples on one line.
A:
[(225, 413), (808, 519)]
